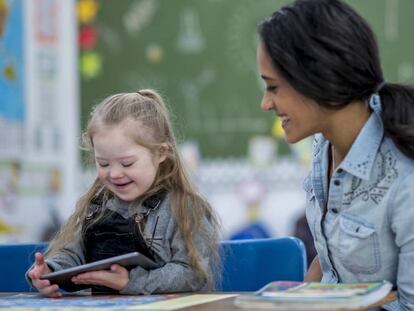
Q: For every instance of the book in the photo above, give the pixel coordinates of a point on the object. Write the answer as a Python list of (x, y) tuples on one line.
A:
[(129, 260), (315, 296)]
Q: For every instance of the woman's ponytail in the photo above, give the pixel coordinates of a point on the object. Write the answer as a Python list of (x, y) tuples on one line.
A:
[(398, 116)]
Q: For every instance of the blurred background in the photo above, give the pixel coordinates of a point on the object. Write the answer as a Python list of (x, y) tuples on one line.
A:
[(60, 58)]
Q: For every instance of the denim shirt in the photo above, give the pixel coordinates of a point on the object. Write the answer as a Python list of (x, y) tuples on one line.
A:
[(367, 231)]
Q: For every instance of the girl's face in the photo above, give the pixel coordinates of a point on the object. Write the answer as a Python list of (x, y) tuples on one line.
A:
[(301, 116), (124, 167)]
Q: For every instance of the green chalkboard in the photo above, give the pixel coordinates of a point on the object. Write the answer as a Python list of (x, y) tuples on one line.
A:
[(201, 55)]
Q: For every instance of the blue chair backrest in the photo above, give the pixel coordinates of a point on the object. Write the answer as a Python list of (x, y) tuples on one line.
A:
[(248, 265), (15, 259)]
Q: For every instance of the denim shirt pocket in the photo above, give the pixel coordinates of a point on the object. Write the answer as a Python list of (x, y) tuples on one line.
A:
[(358, 246)]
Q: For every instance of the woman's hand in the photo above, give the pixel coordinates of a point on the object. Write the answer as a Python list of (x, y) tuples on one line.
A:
[(43, 286), (314, 273), (116, 278)]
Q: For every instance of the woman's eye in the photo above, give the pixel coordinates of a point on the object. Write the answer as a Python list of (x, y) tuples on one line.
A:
[(127, 164), (103, 164), (271, 88)]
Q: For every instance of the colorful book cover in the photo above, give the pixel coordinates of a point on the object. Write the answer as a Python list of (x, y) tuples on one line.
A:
[(318, 290), (315, 296)]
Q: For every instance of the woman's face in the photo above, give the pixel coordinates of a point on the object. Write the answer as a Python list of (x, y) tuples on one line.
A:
[(300, 116)]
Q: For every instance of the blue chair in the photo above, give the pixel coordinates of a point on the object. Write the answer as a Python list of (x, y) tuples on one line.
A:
[(248, 265), (15, 259)]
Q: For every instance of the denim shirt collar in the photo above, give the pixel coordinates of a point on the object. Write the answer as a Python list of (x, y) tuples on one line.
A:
[(361, 157)]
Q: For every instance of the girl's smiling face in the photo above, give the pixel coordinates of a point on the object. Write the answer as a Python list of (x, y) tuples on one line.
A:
[(126, 168)]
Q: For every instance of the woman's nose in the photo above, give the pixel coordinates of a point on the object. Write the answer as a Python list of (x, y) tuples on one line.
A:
[(267, 104)]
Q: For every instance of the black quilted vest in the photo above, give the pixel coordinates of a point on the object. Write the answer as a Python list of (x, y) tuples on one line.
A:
[(113, 235)]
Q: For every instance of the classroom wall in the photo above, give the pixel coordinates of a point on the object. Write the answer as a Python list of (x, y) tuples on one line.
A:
[(59, 58)]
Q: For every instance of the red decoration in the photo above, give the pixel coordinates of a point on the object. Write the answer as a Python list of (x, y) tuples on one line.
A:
[(88, 37)]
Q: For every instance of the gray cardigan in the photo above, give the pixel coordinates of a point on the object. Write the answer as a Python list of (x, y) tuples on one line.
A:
[(176, 275)]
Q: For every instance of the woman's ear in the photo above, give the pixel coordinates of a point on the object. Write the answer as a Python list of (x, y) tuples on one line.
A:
[(163, 150)]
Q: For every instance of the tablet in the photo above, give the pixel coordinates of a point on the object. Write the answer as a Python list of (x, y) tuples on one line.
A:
[(129, 260)]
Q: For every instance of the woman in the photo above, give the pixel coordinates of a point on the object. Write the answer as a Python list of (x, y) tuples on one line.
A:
[(319, 60)]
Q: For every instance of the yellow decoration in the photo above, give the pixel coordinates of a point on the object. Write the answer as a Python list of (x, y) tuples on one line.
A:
[(10, 72), (5, 228), (87, 10), (154, 53), (4, 11), (55, 180), (277, 129), (252, 213), (91, 65)]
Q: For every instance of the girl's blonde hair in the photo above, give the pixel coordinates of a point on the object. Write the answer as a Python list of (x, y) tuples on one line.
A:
[(150, 126)]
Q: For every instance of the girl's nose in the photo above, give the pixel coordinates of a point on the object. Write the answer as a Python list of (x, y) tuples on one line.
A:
[(115, 172)]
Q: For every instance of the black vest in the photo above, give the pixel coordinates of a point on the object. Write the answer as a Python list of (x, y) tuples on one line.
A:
[(113, 235)]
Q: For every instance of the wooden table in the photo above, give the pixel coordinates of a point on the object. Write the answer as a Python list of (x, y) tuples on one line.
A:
[(227, 305)]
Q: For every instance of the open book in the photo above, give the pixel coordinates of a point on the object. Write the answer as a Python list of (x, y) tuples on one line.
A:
[(314, 296)]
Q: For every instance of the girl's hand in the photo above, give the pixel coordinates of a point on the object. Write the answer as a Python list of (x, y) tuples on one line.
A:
[(43, 286), (116, 278)]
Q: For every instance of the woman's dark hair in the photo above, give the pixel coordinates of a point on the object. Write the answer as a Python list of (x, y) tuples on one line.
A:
[(328, 52)]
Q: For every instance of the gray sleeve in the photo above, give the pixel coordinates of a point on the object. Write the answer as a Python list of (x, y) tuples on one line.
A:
[(177, 275), (71, 255)]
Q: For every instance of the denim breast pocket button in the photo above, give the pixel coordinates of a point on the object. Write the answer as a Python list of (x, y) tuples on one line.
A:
[(358, 246)]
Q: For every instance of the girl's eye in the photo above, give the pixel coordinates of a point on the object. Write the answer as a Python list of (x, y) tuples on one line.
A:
[(271, 88), (127, 164), (103, 164)]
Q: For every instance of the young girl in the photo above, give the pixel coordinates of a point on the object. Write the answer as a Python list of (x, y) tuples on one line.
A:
[(319, 60), (141, 200)]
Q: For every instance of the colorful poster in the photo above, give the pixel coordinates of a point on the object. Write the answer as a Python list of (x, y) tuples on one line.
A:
[(12, 110)]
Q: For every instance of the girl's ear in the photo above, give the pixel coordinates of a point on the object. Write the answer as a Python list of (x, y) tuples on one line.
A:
[(163, 152)]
